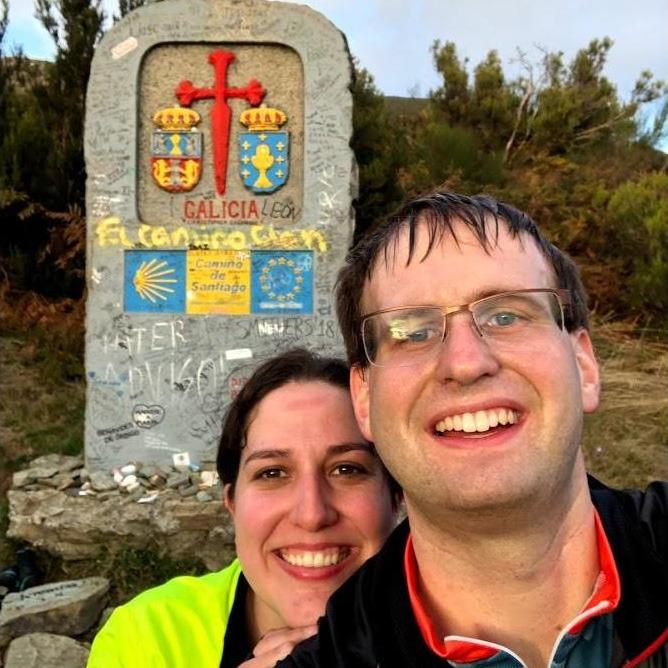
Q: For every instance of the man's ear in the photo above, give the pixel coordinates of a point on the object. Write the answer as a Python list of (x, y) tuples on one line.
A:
[(359, 390), (585, 357), (228, 498)]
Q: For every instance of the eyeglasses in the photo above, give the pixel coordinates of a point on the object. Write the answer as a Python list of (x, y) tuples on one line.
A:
[(409, 335)]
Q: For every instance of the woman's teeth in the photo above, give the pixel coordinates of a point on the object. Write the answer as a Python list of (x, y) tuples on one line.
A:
[(479, 421), (315, 558)]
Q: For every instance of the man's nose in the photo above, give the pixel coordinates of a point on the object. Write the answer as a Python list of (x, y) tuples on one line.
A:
[(314, 507), (465, 356)]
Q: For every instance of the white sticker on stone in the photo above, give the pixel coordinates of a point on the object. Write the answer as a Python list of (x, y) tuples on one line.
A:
[(124, 47), (181, 459), (238, 354), (209, 478)]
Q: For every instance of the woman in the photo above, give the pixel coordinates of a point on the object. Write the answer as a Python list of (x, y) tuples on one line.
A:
[(310, 501)]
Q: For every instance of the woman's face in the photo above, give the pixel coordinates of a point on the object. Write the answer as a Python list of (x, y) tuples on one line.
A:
[(310, 505)]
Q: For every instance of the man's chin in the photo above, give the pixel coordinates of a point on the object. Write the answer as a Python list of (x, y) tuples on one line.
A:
[(479, 498)]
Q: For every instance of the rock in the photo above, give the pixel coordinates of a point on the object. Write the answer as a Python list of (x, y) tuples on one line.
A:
[(63, 463), (209, 479), (129, 481), (147, 498), (133, 488), (128, 469), (102, 482), (203, 497), (191, 490), (78, 527), (177, 480), (22, 478), (148, 470), (43, 472), (32, 475), (45, 650), (61, 481), (104, 617), (33, 487), (69, 607), (157, 480)]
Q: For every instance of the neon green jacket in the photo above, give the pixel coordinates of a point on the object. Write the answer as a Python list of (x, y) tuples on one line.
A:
[(180, 624)]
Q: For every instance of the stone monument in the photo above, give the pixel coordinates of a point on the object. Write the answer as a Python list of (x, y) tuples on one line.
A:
[(219, 204)]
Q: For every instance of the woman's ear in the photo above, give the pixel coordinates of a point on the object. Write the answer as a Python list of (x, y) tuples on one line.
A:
[(228, 498)]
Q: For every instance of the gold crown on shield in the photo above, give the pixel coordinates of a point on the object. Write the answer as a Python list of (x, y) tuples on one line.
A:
[(263, 118), (176, 118)]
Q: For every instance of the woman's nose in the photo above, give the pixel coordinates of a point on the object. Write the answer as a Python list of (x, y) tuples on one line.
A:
[(313, 508)]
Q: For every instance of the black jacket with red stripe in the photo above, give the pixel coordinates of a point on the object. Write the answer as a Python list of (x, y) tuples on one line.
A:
[(370, 622)]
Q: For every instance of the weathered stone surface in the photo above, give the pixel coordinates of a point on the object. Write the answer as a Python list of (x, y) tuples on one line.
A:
[(33, 474), (62, 481), (69, 608), (102, 482), (63, 463), (45, 650), (104, 618), (77, 527), (158, 381), (22, 479), (203, 497), (134, 485), (177, 480), (191, 490)]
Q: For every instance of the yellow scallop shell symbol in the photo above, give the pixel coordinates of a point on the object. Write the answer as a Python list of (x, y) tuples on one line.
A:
[(151, 280)]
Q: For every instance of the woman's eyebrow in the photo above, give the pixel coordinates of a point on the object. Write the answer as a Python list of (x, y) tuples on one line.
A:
[(338, 449), (272, 453), (342, 448)]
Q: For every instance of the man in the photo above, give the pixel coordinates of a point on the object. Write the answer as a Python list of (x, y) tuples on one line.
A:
[(472, 368)]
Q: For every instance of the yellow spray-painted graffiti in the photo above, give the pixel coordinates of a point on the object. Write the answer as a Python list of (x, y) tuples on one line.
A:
[(111, 232)]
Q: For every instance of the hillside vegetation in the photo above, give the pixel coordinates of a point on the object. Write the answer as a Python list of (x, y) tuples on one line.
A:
[(556, 141)]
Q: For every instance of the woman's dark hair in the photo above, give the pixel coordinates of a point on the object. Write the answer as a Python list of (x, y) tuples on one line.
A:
[(297, 364)]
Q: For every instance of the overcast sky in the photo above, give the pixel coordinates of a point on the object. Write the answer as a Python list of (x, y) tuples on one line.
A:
[(391, 38)]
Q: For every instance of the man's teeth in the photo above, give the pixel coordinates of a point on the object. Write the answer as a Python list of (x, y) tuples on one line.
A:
[(315, 558), (479, 421)]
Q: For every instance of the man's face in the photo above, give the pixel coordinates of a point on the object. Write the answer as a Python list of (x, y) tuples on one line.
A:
[(546, 385)]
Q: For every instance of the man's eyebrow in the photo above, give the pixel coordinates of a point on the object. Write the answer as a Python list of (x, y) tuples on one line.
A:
[(482, 293)]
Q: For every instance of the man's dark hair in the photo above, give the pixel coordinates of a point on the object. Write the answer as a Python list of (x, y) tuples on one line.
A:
[(296, 365), (440, 212)]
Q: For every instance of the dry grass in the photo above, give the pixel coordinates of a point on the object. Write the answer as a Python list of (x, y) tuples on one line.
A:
[(42, 392), (626, 440)]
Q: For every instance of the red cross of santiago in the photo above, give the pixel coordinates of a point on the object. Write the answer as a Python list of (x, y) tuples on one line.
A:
[(221, 112)]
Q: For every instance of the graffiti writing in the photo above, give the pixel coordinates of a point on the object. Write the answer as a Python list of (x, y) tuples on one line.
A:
[(136, 340), (111, 232), (287, 328)]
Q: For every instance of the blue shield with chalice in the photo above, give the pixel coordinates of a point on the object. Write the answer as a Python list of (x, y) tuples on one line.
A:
[(263, 150)]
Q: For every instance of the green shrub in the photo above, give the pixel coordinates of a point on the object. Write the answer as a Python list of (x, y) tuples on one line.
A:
[(638, 219)]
